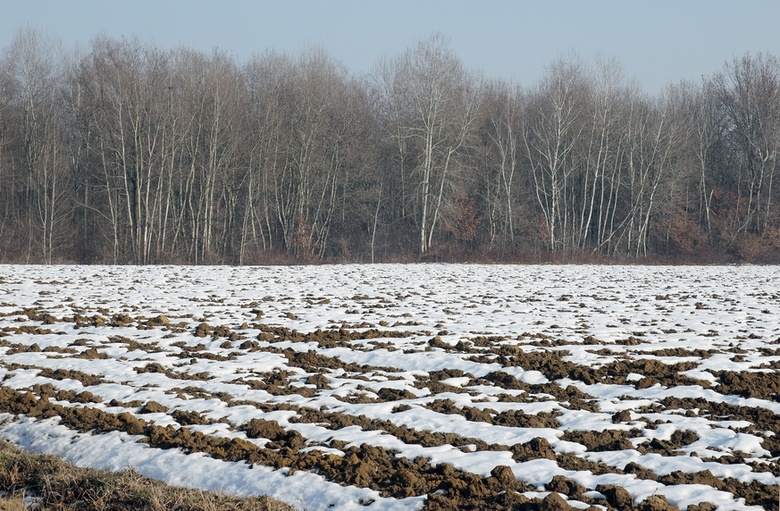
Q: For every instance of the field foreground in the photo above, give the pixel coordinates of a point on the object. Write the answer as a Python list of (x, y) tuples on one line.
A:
[(390, 387)]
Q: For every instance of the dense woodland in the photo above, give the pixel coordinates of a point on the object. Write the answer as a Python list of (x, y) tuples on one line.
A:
[(126, 153)]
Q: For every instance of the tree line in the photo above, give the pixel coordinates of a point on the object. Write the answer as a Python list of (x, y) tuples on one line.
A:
[(126, 153)]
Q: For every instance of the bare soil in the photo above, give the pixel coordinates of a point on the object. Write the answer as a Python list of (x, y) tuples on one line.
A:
[(380, 469)]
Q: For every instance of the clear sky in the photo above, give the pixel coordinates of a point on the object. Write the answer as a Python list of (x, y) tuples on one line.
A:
[(657, 41)]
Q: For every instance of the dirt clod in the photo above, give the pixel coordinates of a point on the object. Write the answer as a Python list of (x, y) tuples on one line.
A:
[(617, 497), (656, 503), (153, 407)]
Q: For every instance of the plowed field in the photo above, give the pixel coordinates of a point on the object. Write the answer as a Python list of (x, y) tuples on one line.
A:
[(406, 386)]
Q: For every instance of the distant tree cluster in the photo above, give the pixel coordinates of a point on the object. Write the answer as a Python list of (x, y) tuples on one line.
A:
[(127, 153)]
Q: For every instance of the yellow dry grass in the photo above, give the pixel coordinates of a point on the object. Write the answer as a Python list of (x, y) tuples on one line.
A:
[(58, 486)]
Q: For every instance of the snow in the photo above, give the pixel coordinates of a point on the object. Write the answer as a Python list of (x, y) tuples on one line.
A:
[(706, 308)]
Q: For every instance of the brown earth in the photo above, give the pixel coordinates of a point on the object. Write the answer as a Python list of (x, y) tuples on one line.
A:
[(381, 469)]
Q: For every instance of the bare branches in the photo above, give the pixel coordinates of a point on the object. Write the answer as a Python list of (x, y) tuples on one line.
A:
[(130, 154)]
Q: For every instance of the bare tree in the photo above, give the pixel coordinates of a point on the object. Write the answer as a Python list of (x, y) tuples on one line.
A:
[(505, 204), (33, 78), (602, 155), (698, 105), (435, 101), (749, 92), (553, 127), (128, 153)]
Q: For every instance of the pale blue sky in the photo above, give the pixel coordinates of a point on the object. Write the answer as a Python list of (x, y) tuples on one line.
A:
[(657, 41)]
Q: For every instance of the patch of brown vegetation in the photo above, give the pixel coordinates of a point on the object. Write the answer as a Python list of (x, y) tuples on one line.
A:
[(58, 485)]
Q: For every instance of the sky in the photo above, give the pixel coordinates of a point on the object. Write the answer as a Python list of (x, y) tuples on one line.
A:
[(657, 42)]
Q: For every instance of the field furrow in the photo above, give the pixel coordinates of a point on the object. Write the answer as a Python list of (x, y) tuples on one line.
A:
[(406, 387)]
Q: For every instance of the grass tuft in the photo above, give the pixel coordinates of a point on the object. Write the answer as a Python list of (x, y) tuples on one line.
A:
[(52, 484)]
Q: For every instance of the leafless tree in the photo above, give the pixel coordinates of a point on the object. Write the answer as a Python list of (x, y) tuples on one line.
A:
[(127, 153), (32, 69), (501, 131), (749, 92), (553, 127), (435, 104)]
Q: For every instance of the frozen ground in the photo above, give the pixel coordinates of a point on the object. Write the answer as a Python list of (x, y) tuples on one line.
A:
[(404, 386)]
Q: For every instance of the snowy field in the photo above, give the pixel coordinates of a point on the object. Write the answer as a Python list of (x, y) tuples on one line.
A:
[(390, 387)]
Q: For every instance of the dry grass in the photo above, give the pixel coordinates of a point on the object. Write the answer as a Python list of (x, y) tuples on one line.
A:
[(12, 504), (57, 486)]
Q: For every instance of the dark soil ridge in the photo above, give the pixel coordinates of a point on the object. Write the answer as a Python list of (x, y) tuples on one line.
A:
[(536, 448), (759, 384), (762, 385), (417, 476), (86, 379), (761, 420), (327, 338), (364, 466), (553, 367), (550, 363), (514, 418)]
